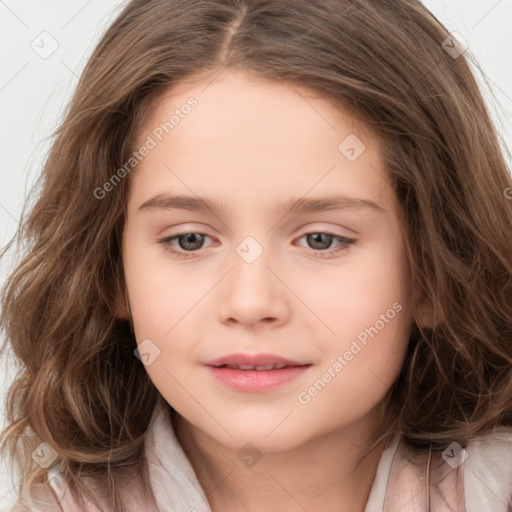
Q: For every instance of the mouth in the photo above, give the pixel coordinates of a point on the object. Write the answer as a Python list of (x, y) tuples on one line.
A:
[(254, 361), (255, 376), (258, 368)]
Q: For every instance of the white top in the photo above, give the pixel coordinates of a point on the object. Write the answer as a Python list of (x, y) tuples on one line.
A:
[(477, 479)]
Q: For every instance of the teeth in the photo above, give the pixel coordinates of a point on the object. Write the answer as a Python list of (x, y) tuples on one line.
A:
[(268, 367), (257, 368)]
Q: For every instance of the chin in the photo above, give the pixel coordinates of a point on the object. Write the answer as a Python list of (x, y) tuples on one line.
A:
[(249, 440), (262, 434)]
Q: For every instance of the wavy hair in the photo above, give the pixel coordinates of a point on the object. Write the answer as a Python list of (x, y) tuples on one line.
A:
[(78, 385)]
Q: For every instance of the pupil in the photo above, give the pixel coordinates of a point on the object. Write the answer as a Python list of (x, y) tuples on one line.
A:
[(317, 238), (191, 238)]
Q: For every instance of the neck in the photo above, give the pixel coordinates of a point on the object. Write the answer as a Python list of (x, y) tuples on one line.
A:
[(328, 473)]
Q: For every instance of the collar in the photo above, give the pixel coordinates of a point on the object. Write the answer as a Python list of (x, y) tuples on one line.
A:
[(175, 485)]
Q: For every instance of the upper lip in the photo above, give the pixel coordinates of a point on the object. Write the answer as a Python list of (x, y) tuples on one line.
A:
[(253, 360)]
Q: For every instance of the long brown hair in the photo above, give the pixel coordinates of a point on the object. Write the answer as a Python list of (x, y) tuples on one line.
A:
[(79, 387)]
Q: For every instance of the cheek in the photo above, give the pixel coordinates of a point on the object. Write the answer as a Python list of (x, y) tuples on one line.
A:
[(355, 296), (368, 314), (360, 365), (165, 303), (159, 293), (160, 306)]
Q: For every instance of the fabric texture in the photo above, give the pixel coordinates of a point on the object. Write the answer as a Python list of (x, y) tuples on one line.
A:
[(477, 479)]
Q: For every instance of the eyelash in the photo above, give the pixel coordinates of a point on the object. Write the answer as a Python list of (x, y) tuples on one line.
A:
[(166, 242)]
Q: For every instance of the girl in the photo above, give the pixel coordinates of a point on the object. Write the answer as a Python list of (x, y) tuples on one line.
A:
[(187, 342)]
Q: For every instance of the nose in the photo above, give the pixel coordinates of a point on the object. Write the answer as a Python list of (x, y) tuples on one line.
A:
[(253, 293)]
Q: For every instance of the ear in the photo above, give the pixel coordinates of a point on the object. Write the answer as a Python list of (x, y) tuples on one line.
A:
[(121, 305), (425, 315)]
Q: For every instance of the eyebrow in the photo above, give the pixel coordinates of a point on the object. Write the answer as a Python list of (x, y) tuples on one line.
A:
[(294, 205)]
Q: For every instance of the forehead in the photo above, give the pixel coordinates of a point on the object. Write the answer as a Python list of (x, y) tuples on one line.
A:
[(238, 97), (251, 138)]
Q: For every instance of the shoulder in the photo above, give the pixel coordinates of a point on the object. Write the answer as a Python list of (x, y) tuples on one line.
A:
[(57, 496), (52, 496), (476, 478), (488, 471), (492, 442), (134, 494)]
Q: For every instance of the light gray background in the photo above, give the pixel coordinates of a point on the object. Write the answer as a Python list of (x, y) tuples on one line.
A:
[(35, 87)]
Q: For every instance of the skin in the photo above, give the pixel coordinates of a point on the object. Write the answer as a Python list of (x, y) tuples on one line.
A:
[(252, 145)]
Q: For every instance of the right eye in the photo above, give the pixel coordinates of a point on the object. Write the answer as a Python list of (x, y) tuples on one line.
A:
[(189, 242)]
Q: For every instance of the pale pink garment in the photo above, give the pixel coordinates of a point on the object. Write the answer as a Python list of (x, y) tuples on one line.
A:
[(482, 483)]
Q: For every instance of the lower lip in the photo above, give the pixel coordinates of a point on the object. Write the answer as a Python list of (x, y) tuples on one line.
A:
[(255, 381)]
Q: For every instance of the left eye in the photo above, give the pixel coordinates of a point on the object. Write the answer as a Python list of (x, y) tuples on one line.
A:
[(317, 237), (192, 241)]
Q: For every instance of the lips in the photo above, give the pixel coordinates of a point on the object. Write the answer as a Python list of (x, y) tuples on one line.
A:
[(259, 368), (258, 362), (255, 373)]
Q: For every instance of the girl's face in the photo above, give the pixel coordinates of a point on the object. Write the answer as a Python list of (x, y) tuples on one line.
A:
[(261, 272)]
